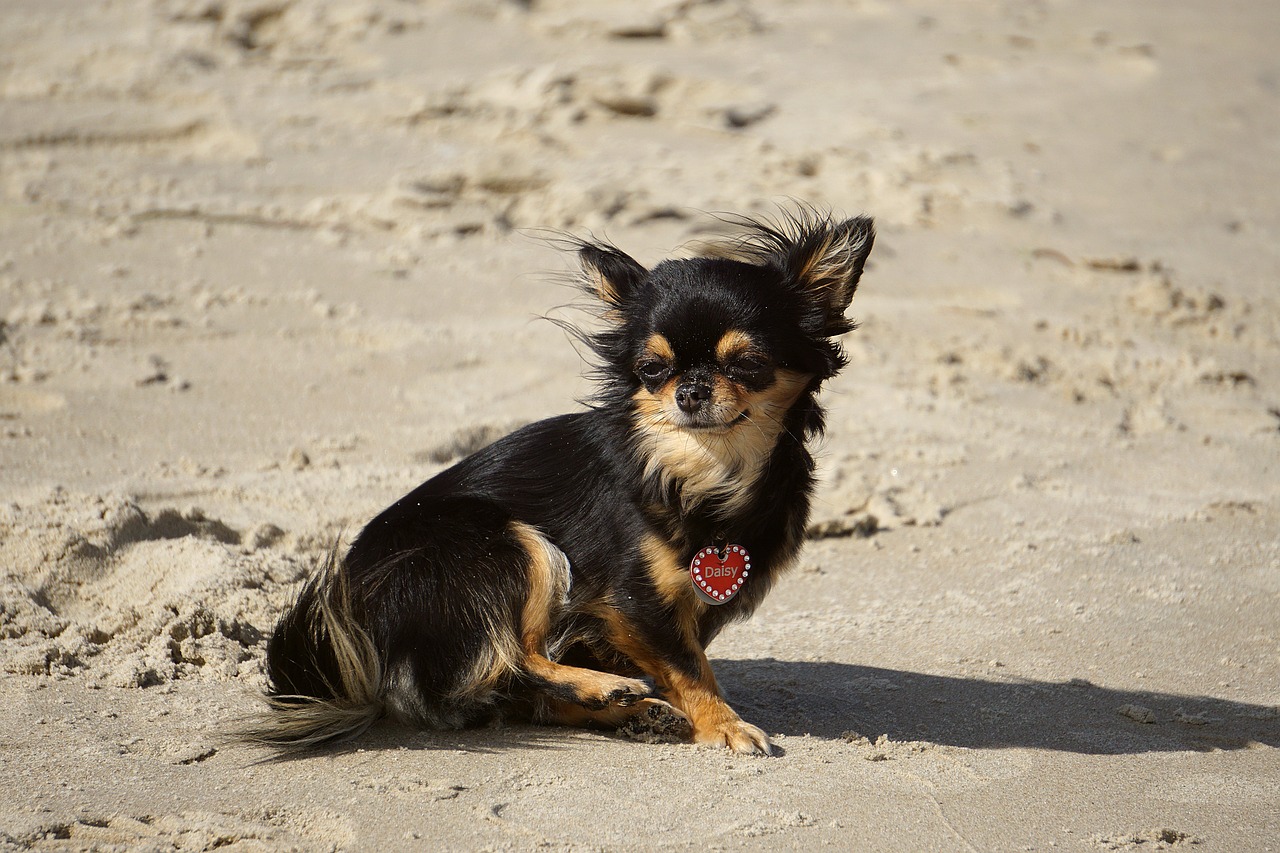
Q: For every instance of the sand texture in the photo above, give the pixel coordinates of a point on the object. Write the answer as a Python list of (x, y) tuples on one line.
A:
[(267, 264)]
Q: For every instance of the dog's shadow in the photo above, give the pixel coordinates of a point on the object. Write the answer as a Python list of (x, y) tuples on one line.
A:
[(838, 700)]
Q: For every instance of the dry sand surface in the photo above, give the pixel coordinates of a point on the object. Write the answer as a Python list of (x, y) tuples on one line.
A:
[(267, 264)]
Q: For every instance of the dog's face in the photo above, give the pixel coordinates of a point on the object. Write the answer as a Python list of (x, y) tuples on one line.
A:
[(709, 354), (716, 346)]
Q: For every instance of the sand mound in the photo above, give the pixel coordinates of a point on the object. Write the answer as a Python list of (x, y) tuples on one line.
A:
[(130, 599)]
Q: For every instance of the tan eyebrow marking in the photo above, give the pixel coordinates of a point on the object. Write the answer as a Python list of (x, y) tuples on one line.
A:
[(734, 343), (660, 347)]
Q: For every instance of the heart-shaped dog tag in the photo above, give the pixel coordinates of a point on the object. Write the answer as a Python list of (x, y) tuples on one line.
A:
[(717, 579)]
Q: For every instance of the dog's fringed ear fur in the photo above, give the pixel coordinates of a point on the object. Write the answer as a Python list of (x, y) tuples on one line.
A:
[(611, 276), (826, 261), (820, 258)]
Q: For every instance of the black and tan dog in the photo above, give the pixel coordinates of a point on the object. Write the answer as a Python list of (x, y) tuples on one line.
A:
[(546, 575)]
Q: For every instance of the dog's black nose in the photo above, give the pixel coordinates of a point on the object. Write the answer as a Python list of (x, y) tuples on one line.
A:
[(691, 396)]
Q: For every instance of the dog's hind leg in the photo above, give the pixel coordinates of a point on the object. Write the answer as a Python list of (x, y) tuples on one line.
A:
[(549, 580), (649, 719)]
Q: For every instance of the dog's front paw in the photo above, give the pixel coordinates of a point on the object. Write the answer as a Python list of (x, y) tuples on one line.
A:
[(739, 736)]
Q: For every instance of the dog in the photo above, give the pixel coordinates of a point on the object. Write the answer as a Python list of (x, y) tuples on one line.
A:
[(556, 574)]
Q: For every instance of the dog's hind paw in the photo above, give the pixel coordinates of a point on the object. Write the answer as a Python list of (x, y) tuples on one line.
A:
[(655, 721), (619, 691), (628, 694)]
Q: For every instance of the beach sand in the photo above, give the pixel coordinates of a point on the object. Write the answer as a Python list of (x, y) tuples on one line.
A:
[(265, 265)]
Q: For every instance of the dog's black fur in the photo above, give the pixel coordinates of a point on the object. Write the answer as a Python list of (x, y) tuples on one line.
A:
[(544, 575)]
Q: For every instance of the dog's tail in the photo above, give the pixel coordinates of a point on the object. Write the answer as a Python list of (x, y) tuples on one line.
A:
[(326, 678)]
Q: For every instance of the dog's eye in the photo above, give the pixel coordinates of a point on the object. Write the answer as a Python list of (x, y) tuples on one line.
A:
[(746, 367), (653, 371)]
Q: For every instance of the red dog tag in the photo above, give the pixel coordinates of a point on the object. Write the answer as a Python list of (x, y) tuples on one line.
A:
[(718, 580)]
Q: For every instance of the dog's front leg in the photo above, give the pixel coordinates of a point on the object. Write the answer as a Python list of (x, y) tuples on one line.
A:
[(699, 697), (683, 674)]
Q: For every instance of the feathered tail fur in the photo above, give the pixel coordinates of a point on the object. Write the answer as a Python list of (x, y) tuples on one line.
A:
[(326, 679)]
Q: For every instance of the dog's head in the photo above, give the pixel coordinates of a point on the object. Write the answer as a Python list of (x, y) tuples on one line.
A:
[(723, 348)]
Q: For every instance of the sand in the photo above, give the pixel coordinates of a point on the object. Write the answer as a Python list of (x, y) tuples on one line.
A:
[(267, 264)]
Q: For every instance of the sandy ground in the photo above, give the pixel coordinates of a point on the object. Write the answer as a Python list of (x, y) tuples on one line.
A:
[(267, 264)]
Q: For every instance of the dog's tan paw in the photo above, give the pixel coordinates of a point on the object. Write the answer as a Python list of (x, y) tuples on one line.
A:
[(741, 737)]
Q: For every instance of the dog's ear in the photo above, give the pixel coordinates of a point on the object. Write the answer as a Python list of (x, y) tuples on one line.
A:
[(611, 276), (825, 262)]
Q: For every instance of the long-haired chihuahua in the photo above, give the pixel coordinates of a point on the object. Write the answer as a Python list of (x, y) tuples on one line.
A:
[(574, 571)]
